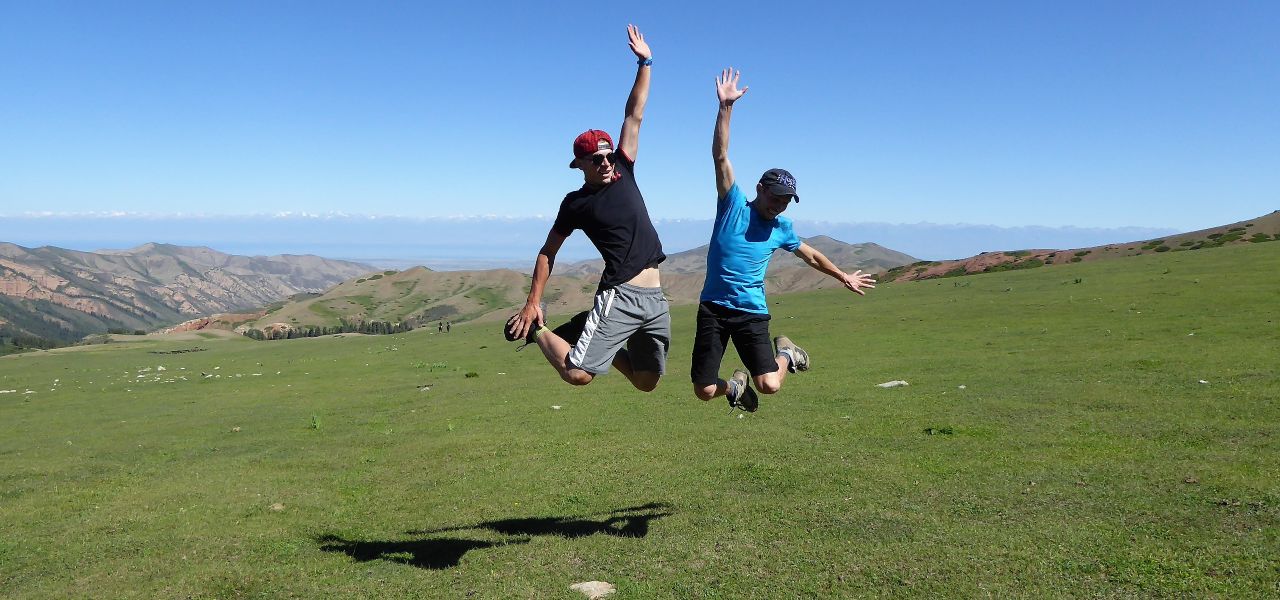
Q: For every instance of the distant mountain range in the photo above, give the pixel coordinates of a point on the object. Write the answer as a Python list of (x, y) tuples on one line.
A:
[(63, 295), (1262, 229)]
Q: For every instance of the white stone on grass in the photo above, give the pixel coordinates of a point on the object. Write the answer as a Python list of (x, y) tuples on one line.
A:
[(893, 384), (594, 589)]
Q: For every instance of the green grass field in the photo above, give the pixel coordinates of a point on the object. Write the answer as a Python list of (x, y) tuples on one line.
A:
[(1101, 429)]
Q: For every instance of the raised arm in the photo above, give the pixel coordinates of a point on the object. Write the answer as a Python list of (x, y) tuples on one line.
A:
[(854, 281), (727, 92), (531, 315), (629, 140)]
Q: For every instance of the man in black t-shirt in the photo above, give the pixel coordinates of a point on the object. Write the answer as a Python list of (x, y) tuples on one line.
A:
[(629, 307)]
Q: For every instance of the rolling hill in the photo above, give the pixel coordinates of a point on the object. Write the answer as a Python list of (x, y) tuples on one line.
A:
[(424, 296), (1262, 229)]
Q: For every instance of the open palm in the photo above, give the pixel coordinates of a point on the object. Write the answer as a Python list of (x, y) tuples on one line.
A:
[(727, 87)]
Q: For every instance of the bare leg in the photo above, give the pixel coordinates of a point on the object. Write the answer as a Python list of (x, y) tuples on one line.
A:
[(644, 381), (770, 383), (556, 351), (715, 390)]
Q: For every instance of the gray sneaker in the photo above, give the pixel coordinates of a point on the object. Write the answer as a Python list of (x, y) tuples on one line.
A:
[(740, 393), (799, 358)]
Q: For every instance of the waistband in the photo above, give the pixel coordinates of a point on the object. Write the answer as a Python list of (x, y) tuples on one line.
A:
[(637, 290)]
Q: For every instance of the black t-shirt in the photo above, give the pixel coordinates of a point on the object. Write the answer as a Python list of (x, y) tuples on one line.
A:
[(616, 221)]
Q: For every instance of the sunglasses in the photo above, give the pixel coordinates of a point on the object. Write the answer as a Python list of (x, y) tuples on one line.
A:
[(598, 159)]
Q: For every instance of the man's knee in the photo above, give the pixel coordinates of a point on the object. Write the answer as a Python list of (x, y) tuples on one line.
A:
[(704, 392), (768, 383), (577, 377), (646, 382)]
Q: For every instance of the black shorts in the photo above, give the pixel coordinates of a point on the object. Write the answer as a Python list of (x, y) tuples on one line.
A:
[(716, 326)]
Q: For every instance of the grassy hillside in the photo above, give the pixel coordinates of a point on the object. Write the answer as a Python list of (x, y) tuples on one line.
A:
[(1096, 429), (1265, 228), (427, 296)]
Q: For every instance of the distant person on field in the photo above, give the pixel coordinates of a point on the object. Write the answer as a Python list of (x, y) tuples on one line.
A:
[(629, 307), (733, 305)]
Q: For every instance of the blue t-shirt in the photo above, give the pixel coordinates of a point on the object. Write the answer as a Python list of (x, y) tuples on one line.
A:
[(741, 245)]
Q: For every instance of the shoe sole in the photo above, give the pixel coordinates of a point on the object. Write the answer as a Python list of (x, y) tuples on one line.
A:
[(749, 401), (802, 358)]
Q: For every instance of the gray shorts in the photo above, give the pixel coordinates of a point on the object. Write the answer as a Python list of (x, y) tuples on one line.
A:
[(636, 316)]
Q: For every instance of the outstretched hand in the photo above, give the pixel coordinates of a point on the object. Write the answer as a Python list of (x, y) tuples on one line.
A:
[(858, 280), (637, 43), (727, 87)]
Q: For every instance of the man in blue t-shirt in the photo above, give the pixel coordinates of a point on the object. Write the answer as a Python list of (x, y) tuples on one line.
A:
[(732, 304)]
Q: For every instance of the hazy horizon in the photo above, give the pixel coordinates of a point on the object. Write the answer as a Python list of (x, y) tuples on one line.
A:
[(499, 242)]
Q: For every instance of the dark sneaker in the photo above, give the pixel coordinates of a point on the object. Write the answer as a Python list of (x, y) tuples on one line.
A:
[(529, 338), (740, 393), (799, 358)]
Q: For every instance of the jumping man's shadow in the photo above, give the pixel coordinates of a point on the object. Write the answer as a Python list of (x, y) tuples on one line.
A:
[(443, 553), (439, 553), (624, 522)]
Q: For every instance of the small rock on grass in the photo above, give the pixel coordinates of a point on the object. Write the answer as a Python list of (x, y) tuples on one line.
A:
[(893, 384), (594, 589)]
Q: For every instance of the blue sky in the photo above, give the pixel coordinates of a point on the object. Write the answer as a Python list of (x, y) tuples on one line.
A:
[(1081, 114)]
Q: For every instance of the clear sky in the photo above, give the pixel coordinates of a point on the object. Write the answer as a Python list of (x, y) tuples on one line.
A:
[(1087, 114)]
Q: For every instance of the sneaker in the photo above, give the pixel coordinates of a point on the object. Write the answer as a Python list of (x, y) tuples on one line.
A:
[(740, 393), (799, 358)]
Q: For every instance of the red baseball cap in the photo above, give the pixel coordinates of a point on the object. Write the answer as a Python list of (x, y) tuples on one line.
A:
[(589, 142)]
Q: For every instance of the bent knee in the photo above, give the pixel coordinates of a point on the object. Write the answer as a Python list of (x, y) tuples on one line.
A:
[(704, 392), (647, 386), (577, 377), (766, 385)]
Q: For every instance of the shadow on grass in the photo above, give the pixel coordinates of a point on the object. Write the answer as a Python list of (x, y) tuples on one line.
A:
[(447, 552), (441, 553), (624, 522)]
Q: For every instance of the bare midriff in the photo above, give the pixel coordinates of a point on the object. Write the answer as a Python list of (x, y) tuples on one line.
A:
[(647, 278)]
